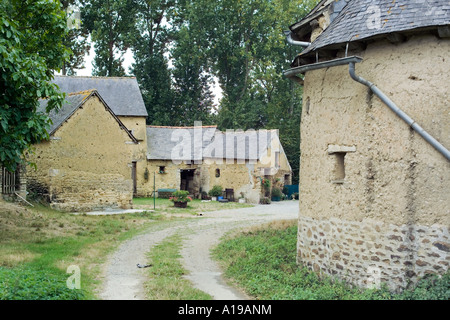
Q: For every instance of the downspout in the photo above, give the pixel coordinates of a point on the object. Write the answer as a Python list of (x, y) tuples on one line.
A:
[(351, 62), (439, 147), (295, 42)]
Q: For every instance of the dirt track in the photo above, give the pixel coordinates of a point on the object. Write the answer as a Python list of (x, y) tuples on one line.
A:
[(123, 280)]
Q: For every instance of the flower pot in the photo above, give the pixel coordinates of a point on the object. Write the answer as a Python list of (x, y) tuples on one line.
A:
[(179, 204), (214, 198), (241, 200)]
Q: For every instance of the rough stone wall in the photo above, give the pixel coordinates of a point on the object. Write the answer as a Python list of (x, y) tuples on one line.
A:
[(86, 164), (137, 125), (367, 181), (237, 176)]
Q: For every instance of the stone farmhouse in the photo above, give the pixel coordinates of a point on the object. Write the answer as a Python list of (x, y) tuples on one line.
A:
[(101, 153), (85, 163), (123, 96), (198, 158), (375, 172)]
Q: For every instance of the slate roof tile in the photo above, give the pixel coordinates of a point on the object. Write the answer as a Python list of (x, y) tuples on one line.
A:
[(122, 94), (354, 21)]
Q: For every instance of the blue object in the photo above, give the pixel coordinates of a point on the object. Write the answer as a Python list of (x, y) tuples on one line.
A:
[(291, 189)]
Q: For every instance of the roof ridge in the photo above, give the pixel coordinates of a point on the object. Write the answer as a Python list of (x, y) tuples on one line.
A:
[(81, 92), (96, 77)]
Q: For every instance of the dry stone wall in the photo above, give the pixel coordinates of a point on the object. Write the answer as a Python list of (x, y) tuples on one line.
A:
[(372, 251)]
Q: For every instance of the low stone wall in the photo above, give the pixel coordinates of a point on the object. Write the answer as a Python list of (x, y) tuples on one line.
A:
[(370, 252), (82, 191)]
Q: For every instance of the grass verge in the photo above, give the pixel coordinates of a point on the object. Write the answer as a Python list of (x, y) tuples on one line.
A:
[(262, 262), (37, 245), (166, 274)]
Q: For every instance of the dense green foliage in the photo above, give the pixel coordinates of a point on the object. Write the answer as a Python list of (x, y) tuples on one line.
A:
[(31, 49), (263, 263), (110, 23), (181, 47), (32, 284)]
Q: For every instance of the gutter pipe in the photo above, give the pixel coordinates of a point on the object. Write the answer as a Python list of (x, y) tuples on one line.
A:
[(413, 124), (351, 62), (295, 42)]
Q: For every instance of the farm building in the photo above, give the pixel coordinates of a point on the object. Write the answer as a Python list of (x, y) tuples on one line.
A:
[(148, 158), (123, 96), (375, 128), (86, 162), (198, 158)]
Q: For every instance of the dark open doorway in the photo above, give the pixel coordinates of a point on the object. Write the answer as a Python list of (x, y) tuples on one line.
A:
[(187, 180)]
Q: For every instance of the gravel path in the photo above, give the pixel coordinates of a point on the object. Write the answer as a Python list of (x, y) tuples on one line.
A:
[(123, 280)]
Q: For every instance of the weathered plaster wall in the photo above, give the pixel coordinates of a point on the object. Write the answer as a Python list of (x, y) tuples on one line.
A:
[(86, 164), (240, 176), (391, 209), (170, 179), (137, 125)]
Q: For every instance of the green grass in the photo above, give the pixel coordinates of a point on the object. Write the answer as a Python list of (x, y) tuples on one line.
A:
[(195, 207), (262, 262), (38, 244), (166, 274)]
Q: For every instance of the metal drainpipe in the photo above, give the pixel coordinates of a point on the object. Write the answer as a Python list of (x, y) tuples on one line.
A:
[(399, 112), (294, 42)]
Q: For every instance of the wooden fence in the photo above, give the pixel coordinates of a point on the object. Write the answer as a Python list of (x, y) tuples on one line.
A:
[(10, 181)]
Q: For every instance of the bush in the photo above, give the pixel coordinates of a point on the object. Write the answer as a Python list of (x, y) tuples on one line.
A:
[(216, 191), (276, 192), (180, 196)]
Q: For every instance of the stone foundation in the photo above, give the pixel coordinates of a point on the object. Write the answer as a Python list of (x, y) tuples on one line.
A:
[(370, 252)]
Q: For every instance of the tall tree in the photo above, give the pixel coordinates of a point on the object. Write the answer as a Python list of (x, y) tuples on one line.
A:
[(193, 99), (110, 23), (76, 39), (246, 49), (31, 49), (150, 40)]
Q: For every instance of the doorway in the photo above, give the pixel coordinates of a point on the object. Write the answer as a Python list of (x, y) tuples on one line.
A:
[(134, 178), (187, 180)]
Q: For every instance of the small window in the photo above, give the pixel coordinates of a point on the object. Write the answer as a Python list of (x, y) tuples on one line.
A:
[(339, 167), (217, 173), (162, 169), (338, 152), (277, 159)]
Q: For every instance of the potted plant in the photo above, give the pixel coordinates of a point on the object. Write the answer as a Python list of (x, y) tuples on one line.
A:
[(215, 192), (180, 198), (276, 194), (242, 198)]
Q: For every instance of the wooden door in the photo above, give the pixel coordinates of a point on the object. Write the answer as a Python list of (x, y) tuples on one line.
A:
[(134, 177)]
